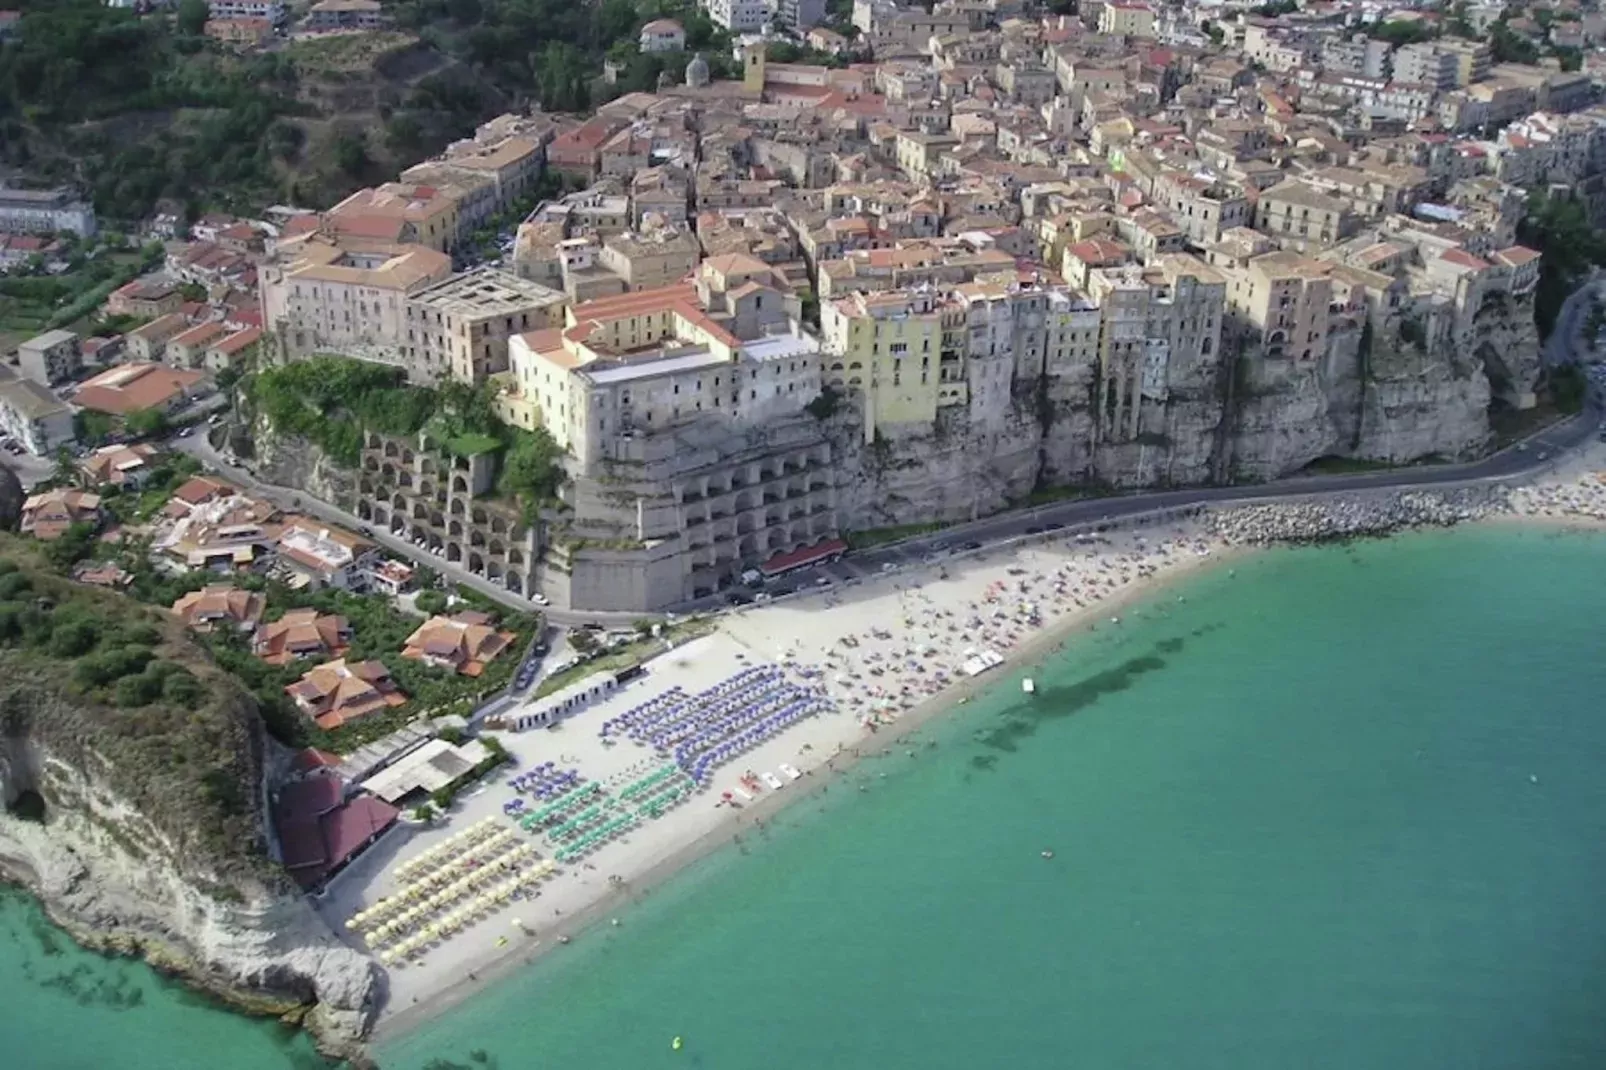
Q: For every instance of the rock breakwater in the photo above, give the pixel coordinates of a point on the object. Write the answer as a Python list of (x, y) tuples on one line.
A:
[(1349, 517)]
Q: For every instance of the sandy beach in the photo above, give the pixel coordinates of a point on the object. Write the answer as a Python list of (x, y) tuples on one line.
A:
[(885, 654)]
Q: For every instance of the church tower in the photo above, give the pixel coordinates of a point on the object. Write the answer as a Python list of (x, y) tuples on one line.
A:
[(753, 66)]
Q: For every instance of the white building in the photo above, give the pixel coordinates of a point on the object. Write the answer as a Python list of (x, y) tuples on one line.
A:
[(272, 10), (738, 16), (32, 415), (29, 211), (663, 35)]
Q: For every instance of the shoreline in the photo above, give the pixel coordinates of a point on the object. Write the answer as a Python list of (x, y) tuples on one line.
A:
[(825, 773)]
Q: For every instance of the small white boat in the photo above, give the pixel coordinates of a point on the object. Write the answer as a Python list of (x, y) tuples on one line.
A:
[(1028, 685), (771, 779), (790, 771), (741, 794)]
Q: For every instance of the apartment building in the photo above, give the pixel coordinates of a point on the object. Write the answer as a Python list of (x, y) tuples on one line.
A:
[(489, 171), (799, 15), (148, 342), (1282, 301), (321, 298), (653, 257), (1425, 63), (1303, 217), (1357, 54), (1200, 206), (271, 10), (459, 328), (50, 358), (41, 211), (1125, 19), (651, 390), (887, 347), (662, 35), (36, 418), (396, 214), (326, 15), (738, 16), (1160, 325)]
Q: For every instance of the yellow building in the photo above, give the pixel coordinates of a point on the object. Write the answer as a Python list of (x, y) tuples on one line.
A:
[(889, 346)]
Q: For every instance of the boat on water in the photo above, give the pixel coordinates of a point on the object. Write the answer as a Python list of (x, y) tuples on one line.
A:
[(1029, 686)]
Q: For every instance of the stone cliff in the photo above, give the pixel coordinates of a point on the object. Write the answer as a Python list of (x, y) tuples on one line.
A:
[(1380, 399), (294, 461), (143, 829)]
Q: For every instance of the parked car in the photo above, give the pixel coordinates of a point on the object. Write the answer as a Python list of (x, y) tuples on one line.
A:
[(1034, 530), (972, 545), (539, 599)]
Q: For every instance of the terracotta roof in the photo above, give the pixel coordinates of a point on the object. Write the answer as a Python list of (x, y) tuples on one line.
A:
[(47, 516), (301, 633), (1517, 256), (220, 602), (337, 692), (465, 642), (132, 387), (1462, 258)]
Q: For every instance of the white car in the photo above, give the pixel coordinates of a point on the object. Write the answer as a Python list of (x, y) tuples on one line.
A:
[(539, 599)]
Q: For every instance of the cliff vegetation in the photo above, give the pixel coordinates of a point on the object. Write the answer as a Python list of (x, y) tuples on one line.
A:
[(112, 686), (333, 401)]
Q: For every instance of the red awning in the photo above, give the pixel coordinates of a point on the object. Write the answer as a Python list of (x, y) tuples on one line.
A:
[(808, 555)]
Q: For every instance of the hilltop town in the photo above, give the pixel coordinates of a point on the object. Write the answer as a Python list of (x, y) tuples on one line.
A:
[(936, 265), (377, 488)]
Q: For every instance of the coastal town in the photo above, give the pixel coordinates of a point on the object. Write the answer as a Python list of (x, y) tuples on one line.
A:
[(582, 493)]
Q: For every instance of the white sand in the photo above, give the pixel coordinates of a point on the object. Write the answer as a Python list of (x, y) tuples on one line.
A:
[(880, 647), (887, 651)]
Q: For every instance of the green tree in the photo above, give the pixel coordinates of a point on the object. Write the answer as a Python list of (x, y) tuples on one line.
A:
[(351, 154), (146, 423), (192, 16), (71, 546)]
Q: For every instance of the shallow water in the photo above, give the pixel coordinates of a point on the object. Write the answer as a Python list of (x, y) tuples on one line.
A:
[(62, 1008), (1341, 808)]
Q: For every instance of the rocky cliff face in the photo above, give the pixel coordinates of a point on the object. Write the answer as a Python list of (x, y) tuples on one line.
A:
[(1378, 399), (143, 830), (292, 461), (105, 873)]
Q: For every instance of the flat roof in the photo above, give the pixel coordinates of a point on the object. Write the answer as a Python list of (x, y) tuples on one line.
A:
[(487, 291), (643, 369), (430, 767)]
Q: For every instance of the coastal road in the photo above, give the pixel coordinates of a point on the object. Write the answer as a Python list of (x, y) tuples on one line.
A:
[(1529, 456), (1566, 344)]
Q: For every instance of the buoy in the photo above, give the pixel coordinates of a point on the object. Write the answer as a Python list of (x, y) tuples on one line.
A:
[(675, 1044), (1533, 778)]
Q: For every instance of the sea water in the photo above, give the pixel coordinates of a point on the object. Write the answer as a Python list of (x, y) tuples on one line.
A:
[(63, 1008), (1336, 808)]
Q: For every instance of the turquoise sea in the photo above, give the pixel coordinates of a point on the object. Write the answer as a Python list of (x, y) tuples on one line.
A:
[(1337, 808)]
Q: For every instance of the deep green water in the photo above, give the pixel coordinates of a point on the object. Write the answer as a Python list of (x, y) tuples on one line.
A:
[(1343, 808)]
